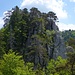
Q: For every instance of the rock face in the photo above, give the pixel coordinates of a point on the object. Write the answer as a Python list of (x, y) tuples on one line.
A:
[(38, 47), (41, 52), (35, 36), (59, 48), (69, 49)]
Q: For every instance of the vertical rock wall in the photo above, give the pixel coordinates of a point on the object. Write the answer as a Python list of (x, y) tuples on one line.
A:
[(59, 48)]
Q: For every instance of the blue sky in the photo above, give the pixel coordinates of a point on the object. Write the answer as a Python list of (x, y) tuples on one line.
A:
[(64, 9)]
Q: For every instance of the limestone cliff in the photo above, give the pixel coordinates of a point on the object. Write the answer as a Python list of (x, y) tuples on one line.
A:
[(59, 48), (43, 53), (34, 35)]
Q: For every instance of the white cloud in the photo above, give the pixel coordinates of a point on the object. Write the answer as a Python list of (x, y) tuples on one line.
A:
[(57, 6), (63, 26), (1, 19), (1, 22), (28, 2), (53, 5), (5, 13)]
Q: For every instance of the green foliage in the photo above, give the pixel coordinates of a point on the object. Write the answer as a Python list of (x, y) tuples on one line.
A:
[(40, 71), (28, 33), (71, 42), (49, 37), (71, 62), (57, 67), (51, 67), (69, 37), (67, 34), (62, 66), (12, 64), (2, 43)]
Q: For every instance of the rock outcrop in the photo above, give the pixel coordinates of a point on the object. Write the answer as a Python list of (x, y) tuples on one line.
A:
[(59, 48), (34, 35), (42, 53), (38, 44)]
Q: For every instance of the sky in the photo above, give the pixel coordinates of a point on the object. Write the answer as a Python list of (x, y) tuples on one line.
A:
[(64, 9)]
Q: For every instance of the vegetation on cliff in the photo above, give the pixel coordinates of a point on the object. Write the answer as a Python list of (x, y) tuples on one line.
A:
[(27, 44)]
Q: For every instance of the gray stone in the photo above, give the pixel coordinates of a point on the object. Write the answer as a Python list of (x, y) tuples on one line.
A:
[(59, 48)]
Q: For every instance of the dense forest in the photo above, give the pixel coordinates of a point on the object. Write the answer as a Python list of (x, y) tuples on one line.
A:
[(31, 44), (69, 37), (67, 34)]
